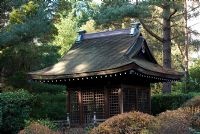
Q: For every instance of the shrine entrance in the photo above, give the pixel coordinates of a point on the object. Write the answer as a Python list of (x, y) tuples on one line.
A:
[(100, 104)]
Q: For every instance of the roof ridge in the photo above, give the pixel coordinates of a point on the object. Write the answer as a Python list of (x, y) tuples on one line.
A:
[(135, 47), (107, 33)]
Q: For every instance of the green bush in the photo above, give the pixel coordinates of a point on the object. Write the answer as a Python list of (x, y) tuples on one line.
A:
[(50, 101), (51, 106), (1, 115), (161, 103), (46, 88), (18, 80), (15, 108), (193, 84)]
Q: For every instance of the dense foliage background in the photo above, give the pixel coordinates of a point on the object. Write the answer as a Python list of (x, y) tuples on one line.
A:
[(36, 33)]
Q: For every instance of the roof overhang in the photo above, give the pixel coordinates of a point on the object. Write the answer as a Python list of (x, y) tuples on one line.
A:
[(130, 69)]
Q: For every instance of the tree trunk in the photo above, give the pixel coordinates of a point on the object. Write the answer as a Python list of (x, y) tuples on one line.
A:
[(186, 46), (166, 43)]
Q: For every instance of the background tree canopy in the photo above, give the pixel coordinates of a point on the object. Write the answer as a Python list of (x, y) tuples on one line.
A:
[(163, 20), (35, 34)]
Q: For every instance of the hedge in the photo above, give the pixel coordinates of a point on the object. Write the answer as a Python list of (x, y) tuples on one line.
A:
[(47, 88), (161, 103), (15, 109), (51, 106)]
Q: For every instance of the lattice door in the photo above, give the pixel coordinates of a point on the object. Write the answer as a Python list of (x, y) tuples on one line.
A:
[(75, 116), (99, 106), (93, 101), (114, 107), (88, 105), (129, 99), (143, 100)]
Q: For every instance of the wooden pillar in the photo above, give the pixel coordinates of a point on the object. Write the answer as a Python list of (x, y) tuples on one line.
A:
[(68, 100), (106, 103), (94, 101), (120, 96), (136, 99), (80, 101), (149, 99)]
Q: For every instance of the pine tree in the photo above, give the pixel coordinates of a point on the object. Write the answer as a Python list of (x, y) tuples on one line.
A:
[(156, 17)]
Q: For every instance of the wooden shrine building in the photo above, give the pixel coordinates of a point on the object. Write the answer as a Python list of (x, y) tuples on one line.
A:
[(107, 73)]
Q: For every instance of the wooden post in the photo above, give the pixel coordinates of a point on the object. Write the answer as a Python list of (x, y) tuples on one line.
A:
[(94, 119), (68, 121), (68, 100), (106, 103), (80, 101), (149, 90), (120, 95), (136, 99), (94, 101)]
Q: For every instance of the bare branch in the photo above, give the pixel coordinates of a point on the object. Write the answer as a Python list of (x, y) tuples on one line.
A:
[(179, 47), (175, 10), (150, 32), (187, 11)]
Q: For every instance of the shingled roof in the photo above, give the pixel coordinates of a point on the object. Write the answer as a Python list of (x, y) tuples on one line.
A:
[(103, 53)]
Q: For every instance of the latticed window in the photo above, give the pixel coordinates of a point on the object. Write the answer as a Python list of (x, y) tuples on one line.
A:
[(143, 100), (88, 105), (75, 116), (100, 104), (114, 102), (85, 102), (129, 99), (93, 101), (136, 98)]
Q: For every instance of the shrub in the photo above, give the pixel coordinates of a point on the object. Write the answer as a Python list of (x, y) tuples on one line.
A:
[(126, 123), (44, 122), (47, 88), (18, 80), (15, 108), (161, 103), (173, 122), (193, 83), (36, 128), (51, 106), (195, 122), (1, 115), (194, 102), (50, 101)]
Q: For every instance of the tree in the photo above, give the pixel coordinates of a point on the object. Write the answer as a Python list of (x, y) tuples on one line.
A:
[(6, 7), (28, 22), (153, 15), (186, 59), (67, 33), (30, 25)]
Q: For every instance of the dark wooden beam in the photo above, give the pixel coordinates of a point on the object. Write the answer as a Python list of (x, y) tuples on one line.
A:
[(136, 92), (68, 100), (120, 96), (80, 101), (94, 101), (149, 99), (106, 103)]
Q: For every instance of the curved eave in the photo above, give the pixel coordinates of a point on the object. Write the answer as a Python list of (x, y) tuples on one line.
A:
[(79, 75), (130, 68)]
